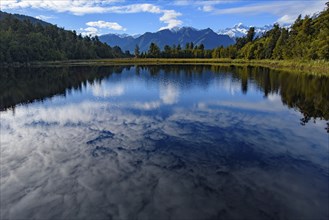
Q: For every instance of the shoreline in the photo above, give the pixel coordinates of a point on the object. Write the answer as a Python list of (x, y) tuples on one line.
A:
[(312, 67)]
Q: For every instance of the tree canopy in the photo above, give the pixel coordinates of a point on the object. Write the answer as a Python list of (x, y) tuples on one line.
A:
[(24, 41)]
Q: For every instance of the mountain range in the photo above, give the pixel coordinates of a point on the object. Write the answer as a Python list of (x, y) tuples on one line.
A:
[(177, 36), (240, 30)]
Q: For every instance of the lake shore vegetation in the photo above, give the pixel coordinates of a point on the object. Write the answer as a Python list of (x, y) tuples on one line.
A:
[(302, 47)]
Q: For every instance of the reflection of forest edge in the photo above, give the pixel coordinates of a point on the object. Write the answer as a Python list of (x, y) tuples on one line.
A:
[(308, 94)]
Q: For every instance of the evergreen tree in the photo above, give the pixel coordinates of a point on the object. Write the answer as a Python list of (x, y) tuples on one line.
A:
[(154, 51), (137, 52)]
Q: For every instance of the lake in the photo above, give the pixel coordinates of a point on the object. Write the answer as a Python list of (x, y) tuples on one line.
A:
[(163, 142)]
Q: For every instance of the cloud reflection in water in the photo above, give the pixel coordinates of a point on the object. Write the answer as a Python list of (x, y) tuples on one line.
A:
[(161, 156)]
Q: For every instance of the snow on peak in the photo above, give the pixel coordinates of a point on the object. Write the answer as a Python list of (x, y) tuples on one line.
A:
[(240, 30), (177, 29)]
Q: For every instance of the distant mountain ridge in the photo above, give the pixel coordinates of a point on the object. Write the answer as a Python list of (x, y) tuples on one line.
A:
[(177, 36), (240, 30)]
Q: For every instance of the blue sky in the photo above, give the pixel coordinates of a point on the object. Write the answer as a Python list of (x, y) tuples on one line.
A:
[(136, 17)]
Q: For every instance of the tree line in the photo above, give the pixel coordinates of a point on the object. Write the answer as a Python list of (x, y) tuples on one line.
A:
[(189, 51), (24, 41), (306, 39)]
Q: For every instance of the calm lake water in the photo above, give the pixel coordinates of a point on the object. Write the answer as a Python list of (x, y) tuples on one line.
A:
[(163, 142)]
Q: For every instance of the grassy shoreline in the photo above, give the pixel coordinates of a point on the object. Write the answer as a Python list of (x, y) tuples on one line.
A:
[(314, 67)]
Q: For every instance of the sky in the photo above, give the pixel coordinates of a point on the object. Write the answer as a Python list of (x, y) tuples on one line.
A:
[(97, 17)]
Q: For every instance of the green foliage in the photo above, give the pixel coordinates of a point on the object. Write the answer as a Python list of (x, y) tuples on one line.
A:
[(154, 51), (137, 52), (22, 41), (189, 51), (307, 39)]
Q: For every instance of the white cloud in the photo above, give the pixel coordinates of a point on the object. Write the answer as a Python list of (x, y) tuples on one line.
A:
[(202, 2), (44, 17), (135, 8), (90, 31), (105, 24), (207, 8), (77, 7), (170, 17), (286, 19), (286, 10), (82, 7)]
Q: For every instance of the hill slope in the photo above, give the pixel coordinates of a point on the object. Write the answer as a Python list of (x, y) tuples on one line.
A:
[(25, 39), (33, 20)]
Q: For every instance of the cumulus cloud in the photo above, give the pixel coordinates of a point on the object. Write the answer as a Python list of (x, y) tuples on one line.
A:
[(170, 18), (90, 31), (107, 25), (82, 7), (286, 19), (44, 17)]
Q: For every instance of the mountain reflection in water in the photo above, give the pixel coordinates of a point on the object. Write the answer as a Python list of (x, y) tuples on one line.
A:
[(161, 142)]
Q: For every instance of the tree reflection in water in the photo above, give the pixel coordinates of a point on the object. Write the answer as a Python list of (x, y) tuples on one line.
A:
[(306, 93)]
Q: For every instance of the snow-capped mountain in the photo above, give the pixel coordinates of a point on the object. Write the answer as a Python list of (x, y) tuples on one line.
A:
[(240, 30), (177, 29), (176, 36)]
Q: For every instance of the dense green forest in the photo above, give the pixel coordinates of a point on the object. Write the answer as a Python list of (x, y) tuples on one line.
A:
[(27, 40), (306, 39)]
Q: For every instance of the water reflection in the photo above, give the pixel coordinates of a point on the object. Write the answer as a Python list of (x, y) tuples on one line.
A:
[(308, 94), (160, 142)]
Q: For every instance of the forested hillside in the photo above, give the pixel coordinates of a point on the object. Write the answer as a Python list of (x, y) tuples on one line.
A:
[(307, 39), (28, 40)]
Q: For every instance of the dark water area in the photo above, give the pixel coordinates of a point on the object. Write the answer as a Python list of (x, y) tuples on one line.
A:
[(163, 142)]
